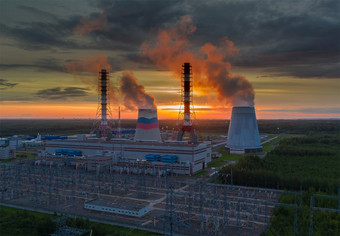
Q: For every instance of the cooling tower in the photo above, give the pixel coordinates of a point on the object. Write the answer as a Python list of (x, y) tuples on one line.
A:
[(243, 134), (147, 125)]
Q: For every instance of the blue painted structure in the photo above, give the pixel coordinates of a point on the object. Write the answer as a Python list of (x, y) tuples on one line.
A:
[(49, 137), (153, 157), (67, 152), (169, 158)]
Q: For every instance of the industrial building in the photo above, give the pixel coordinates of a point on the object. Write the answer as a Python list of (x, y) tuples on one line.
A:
[(8, 146), (120, 206), (102, 151), (190, 157), (243, 134)]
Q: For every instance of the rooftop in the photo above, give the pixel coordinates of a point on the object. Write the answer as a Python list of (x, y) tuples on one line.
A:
[(121, 203), (141, 143)]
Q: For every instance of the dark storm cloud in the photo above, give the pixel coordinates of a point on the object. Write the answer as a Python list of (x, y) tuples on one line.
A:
[(130, 23), (4, 84), (42, 64), (50, 64), (277, 34), (127, 26), (286, 37), (37, 12), (301, 64), (62, 93), (327, 70), (42, 35)]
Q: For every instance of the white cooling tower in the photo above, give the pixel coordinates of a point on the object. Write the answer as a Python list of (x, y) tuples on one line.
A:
[(147, 125), (243, 134)]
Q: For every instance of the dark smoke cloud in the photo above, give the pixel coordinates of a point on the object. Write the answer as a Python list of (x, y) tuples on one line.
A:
[(62, 93), (134, 94)]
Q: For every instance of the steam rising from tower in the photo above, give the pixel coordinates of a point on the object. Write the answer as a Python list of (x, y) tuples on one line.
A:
[(134, 94)]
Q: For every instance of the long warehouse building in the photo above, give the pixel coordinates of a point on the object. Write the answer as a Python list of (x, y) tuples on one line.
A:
[(191, 158)]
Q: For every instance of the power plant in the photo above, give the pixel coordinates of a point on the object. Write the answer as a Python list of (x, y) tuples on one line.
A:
[(185, 157), (243, 134), (141, 181), (182, 157)]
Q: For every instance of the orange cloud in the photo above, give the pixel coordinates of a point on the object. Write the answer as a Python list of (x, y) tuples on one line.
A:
[(210, 68), (86, 26), (91, 64)]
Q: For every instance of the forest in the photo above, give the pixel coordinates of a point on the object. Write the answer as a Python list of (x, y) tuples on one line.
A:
[(309, 164), (9, 127), (310, 161)]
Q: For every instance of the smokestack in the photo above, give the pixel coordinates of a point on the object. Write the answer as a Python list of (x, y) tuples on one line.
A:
[(103, 86), (119, 128), (187, 98), (102, 128), (147, 125), (243, 134), (187, 95)]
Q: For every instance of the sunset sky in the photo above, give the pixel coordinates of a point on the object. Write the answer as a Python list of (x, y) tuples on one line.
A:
[(283, 56)]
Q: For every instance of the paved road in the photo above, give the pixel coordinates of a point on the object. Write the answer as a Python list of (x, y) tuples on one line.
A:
[(271, 139), (267, 141), (219, 144)]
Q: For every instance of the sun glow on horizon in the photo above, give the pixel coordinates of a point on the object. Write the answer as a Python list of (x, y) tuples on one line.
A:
[(88, 111)]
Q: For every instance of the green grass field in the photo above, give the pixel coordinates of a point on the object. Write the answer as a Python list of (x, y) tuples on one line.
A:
[(18, 222), (224, 158), (200, 173)]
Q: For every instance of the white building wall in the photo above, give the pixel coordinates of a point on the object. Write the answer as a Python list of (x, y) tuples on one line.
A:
[(141, 212)]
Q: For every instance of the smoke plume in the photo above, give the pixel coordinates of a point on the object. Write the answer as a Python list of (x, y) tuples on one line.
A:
[(92, 66), (89, 65), (134, 94), (210, 66)]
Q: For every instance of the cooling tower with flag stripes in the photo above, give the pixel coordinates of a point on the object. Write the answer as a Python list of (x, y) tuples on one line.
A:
[(147, 125), (243, 134)]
